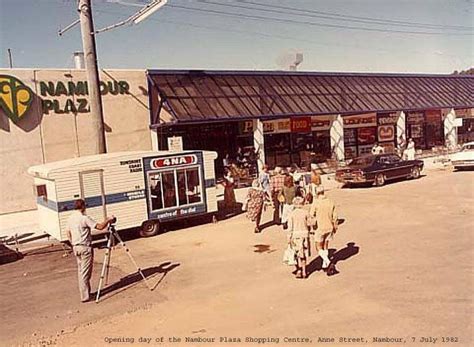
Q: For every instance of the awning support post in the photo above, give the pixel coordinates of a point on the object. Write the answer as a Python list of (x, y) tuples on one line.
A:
[(337, 138), (259, 143)]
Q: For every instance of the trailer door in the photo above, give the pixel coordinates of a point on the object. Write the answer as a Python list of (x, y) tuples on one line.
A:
[(92, 191)]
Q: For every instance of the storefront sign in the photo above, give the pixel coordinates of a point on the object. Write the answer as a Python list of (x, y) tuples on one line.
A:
[(301, 125), (52, 91), (415, 117), (433, 116), (360, 120), (387, 118), (173, 161), (465, 112), (366, 135), (175, 143), (386, 133), (246, 127), (321, 122), (389, 147), (276, 126), (350, 137)]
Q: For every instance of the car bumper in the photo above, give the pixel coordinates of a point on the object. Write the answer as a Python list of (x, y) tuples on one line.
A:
[(463, 163), (355, 179)]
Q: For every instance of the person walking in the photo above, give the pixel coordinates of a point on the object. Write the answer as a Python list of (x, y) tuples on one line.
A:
[(255, 201), (324, 212), (79, 234), (298, 235), (276, 186), (264, 180), (289, 193), (315, 182)]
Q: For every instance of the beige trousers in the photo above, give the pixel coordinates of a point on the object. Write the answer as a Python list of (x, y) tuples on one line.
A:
[(85, 258)]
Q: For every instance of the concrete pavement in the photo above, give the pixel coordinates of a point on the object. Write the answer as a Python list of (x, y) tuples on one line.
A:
[(404, 253)]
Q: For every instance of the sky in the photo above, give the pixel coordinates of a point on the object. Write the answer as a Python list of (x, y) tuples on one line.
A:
[(414, 36)]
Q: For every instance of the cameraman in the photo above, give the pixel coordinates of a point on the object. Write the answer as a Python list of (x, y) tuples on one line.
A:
[(80, 237)]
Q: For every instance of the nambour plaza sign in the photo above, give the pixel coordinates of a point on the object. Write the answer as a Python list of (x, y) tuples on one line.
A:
[(56, 97)]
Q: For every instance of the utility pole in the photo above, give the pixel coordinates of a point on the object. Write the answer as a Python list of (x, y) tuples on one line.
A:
[(95, 98)]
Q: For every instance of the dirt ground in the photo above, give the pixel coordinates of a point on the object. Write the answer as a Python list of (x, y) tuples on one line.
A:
[(404, 255)]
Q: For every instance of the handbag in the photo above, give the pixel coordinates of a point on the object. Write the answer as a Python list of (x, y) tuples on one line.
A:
[(289, 256), (281, 198)]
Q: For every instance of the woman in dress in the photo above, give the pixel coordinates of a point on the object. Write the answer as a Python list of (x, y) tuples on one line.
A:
[(229, 194), (288, 192), (298, 235), (256, 199)]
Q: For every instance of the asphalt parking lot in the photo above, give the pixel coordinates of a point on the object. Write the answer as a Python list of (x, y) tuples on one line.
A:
[(404, 255)]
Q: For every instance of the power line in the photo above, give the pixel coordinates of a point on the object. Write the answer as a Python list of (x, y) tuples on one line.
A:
[(291, 21), (339, 16), (281, 37)]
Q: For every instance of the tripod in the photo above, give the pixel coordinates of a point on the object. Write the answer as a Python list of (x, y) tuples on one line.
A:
[(113, 234)]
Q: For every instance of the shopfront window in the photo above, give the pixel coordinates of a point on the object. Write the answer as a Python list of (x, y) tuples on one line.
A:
[(277, 149), (174, 188), (321, 146)]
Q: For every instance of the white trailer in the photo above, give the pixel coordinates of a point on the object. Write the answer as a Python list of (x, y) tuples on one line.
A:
[(140, 188)]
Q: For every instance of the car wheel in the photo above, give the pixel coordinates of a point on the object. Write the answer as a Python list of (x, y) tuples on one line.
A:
[(380, 180), (150, 228), (415, 172)]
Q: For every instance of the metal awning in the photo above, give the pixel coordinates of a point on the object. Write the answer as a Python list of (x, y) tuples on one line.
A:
[(206, 96)]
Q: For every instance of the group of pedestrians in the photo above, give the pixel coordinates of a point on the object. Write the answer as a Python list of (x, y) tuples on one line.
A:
[(301, 208)]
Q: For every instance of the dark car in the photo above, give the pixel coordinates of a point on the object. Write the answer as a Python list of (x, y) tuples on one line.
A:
[(378, 168)]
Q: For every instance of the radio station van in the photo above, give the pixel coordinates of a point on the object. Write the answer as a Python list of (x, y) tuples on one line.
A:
[(142, 189)]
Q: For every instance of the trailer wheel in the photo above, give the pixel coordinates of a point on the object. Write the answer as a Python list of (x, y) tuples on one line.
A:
[(150, 228)]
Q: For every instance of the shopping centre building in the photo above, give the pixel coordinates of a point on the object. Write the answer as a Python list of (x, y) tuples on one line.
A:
[(300, 117), (285, 117)]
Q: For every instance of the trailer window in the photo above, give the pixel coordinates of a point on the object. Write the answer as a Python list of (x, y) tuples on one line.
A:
[(189, 189), (174, 188), (156, 191), (41, 192), (169, 189)]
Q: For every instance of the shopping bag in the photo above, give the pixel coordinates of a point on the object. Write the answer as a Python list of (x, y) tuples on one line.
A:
[(289, 256)]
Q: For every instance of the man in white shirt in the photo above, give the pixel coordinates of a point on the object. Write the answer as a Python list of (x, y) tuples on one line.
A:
[(79, 234)]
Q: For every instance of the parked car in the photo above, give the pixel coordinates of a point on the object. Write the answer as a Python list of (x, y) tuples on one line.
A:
[(464, 158), (377, 169)]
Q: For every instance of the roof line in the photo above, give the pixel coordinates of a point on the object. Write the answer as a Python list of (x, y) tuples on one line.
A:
[(295, 73)]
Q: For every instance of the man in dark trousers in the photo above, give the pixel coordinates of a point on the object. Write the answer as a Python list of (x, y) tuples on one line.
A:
[(79, 234)]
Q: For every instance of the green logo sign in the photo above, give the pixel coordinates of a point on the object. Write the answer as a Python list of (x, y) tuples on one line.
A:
[(15, 97)]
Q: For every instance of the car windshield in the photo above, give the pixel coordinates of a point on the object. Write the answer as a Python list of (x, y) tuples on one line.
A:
[(468, 147), (367, 160)]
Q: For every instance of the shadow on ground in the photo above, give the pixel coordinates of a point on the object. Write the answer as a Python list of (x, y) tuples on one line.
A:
[(335, 256), (132, 279)]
